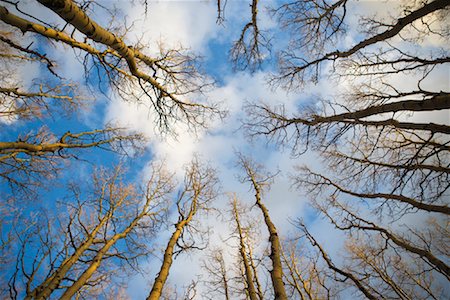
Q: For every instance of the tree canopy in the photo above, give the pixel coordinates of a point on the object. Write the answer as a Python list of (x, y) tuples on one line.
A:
[(282, 149)]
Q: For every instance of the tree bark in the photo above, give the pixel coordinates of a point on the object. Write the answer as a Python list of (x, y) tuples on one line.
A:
[(163, 274), (242, 251), (276, 273)]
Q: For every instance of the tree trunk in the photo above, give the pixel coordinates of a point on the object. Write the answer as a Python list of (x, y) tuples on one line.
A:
[(247, 268)]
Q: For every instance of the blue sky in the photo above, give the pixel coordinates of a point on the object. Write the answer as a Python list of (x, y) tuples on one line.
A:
[(193, 25)]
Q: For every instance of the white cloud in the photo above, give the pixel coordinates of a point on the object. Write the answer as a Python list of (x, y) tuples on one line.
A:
[(190, 24)]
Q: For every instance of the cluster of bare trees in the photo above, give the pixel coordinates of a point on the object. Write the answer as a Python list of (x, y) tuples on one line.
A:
[(256, 267), (102, 234), (168, 82), (86, 243), (382, 182), (384, 177)]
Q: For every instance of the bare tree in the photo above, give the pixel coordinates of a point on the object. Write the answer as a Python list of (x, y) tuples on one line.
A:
[(244, 256), (340, 272), (256, 263), (242, 274), (402, 281), (304, 275), (200, 188), (386, 257), (218, 281), (29, 158), (255, 175), (17, 103), (422, 246), (317, 24), (38, 99), (384, 266)]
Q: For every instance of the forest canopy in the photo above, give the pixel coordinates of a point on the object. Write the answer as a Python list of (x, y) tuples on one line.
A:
[(224, 149)]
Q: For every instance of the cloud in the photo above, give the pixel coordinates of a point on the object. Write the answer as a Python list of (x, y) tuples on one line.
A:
[(190, 24)]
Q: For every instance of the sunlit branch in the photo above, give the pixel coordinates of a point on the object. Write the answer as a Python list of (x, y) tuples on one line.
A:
[(166, 81), (355, 222), (358, 282), (317, 180)]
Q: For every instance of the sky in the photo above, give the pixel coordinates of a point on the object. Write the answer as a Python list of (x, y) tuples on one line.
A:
[(193, 24)]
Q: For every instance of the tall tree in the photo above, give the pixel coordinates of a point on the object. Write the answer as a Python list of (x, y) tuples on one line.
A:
[(253, 44), (200, 188), (243, 275), (248, 271), (218, 281), (254, 174)]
